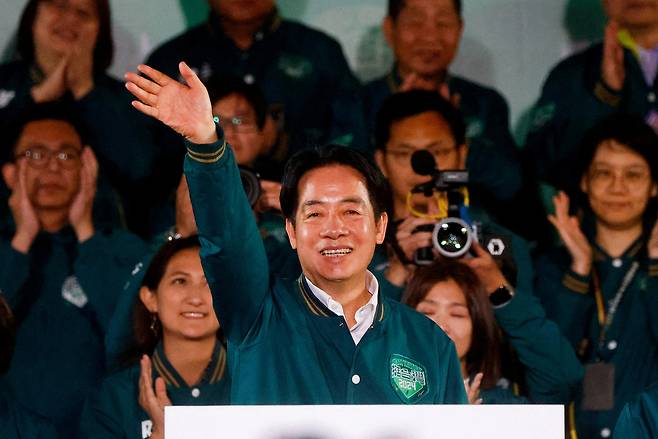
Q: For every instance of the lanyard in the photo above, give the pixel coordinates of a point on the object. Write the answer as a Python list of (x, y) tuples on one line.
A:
[(606, 319)]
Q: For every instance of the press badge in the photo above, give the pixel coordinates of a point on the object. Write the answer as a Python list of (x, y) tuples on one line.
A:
[(599, 387)]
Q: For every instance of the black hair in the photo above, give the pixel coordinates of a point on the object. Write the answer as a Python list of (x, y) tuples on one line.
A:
[(7, 335), (12, 128), (309, 159), (402, 105), (631, 131), (396, 6), (221, 86), (103, 51)]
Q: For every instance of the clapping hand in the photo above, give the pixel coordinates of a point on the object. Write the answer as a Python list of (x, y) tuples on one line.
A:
[(80, 212), (574, 240), (25, 217), (153, 400), (613, 71), (185, 108)]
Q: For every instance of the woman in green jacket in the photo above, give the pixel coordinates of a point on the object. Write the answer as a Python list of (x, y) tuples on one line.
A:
[(178, 356), (455, 296)]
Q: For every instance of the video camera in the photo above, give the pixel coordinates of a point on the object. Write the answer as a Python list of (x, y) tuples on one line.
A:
[(454, 234), (251, 184)]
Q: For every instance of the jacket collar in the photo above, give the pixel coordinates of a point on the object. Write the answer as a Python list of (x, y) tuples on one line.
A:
[(214, 372)]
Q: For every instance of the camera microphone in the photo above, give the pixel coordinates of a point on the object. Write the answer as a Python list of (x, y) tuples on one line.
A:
[(423, 163)]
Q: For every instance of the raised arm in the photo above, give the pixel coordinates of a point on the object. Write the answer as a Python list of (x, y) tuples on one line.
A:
[(232, 251)]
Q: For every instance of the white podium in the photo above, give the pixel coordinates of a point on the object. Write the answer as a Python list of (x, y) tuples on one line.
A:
[(365, 422)]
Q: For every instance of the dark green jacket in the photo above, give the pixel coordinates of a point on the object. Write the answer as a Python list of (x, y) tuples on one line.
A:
[(113, 411), (310, 355), (301, 71), (493, 159), (573, 99), (631, 342), (63, 294), (19, 423), (639, 418)]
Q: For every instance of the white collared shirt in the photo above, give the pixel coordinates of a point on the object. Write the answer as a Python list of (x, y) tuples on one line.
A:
[(364, 316)]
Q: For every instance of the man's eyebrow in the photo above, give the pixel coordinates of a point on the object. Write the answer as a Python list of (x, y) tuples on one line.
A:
[(349, 200)]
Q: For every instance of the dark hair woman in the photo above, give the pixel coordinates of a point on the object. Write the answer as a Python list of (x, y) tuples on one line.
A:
[(456, 297), (178, 356), (601, 286), (64, 48)]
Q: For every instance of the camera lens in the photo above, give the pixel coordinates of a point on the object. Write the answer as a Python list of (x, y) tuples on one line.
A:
[(452, 237)]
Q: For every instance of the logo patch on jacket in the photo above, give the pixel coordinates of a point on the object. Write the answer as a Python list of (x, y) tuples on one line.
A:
[(72, 292), (408, 378)]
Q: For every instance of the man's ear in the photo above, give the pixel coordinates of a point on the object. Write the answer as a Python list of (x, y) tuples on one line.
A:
[(584, 186), (388, 30), (381, 227), (148, 299), (290, 230), (654, 189), (10, 174), (379, 159), (463, 155)]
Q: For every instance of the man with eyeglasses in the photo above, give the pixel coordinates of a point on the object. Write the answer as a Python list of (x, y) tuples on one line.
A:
[(59, 272)]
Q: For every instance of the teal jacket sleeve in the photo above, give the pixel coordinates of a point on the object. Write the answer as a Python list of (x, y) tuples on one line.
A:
[(552, 370), (639, 418), (565, 296), (651, 296), (232, 251), (14, 271), (102, 266)]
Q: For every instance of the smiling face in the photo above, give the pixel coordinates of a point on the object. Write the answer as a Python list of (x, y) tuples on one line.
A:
[(183, 301), (633, 14), (425, 36), (59, 24), (446, 305), (618, 185), (335, 230)]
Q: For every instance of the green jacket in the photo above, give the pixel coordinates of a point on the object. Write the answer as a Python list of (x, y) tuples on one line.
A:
[(631, 342), (19, 423), (573, 99), (493, 159), (63, 294), (302, 72), (639, 418), (310, 355), (113, 410)]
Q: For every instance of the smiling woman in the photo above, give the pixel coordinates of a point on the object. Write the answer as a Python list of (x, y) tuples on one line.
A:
[(177, 344), (602, 285)]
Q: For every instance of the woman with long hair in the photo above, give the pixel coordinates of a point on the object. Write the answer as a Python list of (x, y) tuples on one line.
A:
[(177, 357), (459, 297)]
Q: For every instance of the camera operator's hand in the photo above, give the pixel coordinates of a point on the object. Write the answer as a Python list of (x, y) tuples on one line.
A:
[(574, 240), (486, 269), (269, 198), (184, 108), (408, 242)]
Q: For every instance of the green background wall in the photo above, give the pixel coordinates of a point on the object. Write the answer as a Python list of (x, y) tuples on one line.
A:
[(507, 44)]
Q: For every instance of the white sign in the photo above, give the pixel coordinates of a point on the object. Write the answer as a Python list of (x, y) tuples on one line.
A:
[(361, 422)]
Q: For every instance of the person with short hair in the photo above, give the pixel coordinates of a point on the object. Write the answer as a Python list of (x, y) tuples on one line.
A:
[(64, 49), (60, 273), (424, 36), (177, 355), (601, 286), (330, 337)]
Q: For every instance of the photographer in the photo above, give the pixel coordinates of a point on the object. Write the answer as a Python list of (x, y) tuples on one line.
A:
[(423, 120)]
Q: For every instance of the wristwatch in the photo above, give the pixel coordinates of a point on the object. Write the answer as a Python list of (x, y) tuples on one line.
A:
[(502, 296)]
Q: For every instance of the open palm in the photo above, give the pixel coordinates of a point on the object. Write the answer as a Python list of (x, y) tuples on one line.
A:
[(185, 108)]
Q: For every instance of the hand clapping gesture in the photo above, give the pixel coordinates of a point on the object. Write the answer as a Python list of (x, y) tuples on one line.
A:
[(25, 217), (613, 71), (153, 400), (569, 229), (80, 212), (184, 108)]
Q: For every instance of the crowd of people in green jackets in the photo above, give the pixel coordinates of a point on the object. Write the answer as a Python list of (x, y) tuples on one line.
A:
[(241, 221)]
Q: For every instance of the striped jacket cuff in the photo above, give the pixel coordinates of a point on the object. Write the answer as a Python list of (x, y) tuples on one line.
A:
[(576, 283)]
